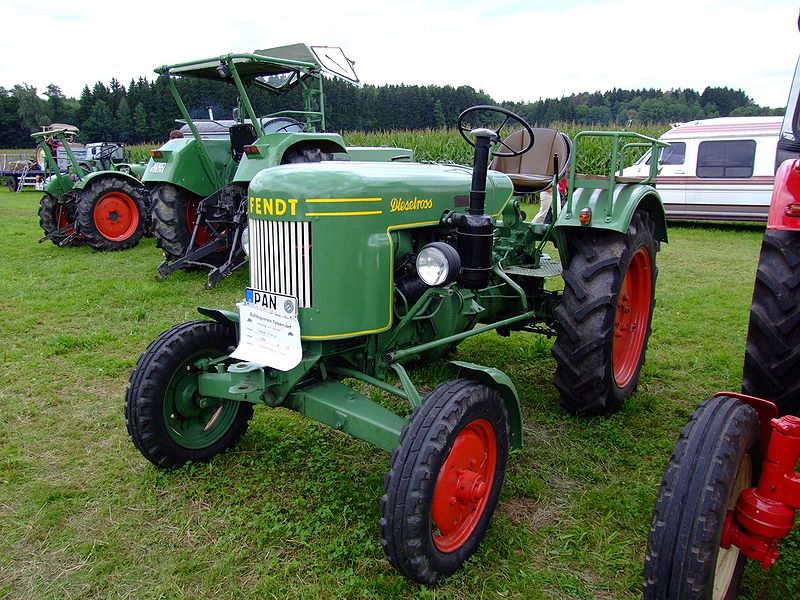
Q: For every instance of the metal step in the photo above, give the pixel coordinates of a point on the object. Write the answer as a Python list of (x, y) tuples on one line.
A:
[(547, 268)]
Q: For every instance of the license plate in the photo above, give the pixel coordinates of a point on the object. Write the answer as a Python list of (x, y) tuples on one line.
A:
[(158, 167), (279, 304)]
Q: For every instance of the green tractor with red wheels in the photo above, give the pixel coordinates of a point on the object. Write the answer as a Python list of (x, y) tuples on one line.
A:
[(97, 200), (359, 270), (199, 180)]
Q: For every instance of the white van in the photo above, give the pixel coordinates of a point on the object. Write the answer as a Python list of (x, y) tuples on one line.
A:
[(720, 169)]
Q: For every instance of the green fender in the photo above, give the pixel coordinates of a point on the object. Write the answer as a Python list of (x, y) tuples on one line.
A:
[(272, 147), (615, 213), (497, 380), (84, 182), (224, 317), (59, 185)]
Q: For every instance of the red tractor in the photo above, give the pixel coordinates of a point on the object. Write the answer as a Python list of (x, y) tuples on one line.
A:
[(731, 490)]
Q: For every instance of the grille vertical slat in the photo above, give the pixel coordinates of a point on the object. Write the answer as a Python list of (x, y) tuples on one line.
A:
[(281, 260)]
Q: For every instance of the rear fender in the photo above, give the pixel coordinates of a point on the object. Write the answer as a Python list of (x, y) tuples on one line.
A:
[(59, 185), (84, 182), (497, 380), (613, 214), (784, 209), (272, 148)]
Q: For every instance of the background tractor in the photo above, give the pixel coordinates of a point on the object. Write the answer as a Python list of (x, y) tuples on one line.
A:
[(199, 182), (96, 198), (731, 490), (359, 270)]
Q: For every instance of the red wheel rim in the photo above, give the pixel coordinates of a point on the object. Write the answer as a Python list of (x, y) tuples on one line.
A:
[(61, 217), (203, 236), (116, 216), (464, 485), (633, 313)]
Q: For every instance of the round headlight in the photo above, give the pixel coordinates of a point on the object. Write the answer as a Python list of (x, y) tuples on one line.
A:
[(438, 264), (246, 241)]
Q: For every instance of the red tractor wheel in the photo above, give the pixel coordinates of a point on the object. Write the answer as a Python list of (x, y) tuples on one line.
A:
[(444, 481), (174, 218), (55, 215), (604, 318), (111, 214)]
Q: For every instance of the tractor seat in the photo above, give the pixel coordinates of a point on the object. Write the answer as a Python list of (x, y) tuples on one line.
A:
[(242, 134), (533, 170)]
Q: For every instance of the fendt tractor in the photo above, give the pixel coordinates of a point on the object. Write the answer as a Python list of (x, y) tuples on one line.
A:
[(731, 489), (95, 198), (359, 269), (199, 182)]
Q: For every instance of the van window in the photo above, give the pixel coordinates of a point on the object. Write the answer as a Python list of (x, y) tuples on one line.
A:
[(732, 158), (674, 155)]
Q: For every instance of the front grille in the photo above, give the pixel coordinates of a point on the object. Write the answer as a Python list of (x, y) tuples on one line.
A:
[(280, 258)]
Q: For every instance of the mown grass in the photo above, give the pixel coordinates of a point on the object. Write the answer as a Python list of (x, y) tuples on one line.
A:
[(293, 510)]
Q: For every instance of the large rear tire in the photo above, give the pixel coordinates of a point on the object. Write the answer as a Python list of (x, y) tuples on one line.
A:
[(166, 418), (717, 457), (444, 481), (54, 215), (174, 216), (111, 214), (603, 320), (772, 352)]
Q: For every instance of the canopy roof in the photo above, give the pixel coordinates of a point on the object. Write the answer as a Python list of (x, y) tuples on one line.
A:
[(296, 59)]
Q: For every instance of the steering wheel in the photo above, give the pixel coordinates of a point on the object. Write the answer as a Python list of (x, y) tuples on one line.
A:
[(498, 139)]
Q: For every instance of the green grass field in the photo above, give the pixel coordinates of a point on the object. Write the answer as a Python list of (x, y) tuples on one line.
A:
[(293, 510)]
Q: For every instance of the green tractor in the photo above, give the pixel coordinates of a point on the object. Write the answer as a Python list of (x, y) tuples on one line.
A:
[(200, 181), (360, 269), (98, 199)]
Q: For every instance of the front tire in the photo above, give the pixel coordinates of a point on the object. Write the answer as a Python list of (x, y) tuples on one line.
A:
[(603, 320), (111, 214), (444, 481), (717, 457), (165, 415), (772, 351)]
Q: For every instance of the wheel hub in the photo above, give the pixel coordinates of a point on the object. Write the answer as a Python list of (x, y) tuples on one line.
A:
[(463, 485), (116, 216)]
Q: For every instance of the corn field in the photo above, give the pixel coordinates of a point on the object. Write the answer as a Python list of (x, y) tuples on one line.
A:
[(446, 145)]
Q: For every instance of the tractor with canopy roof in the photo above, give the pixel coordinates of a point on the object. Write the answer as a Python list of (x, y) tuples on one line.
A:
[(199, 182)]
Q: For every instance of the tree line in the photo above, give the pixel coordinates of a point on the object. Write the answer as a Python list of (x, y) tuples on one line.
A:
[(145, 112)]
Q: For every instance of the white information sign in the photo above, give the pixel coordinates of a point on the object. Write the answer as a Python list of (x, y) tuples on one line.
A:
[(269, 333)]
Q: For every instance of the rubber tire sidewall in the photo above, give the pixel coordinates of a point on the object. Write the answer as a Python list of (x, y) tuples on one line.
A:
[(692, 502), (48, 222), (144, 397), (409, 486), (772, 351), (87, 204), (170, 224), (585, 317)]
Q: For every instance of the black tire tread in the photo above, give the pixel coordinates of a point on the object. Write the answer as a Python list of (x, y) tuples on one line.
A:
[(47, 217), (585, 316), (405, 524), (143, 395), (169, 224), (85, 213), (693, 497), (772, 351)]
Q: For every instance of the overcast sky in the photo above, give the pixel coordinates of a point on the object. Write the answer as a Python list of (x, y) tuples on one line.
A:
[(519, 50)]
